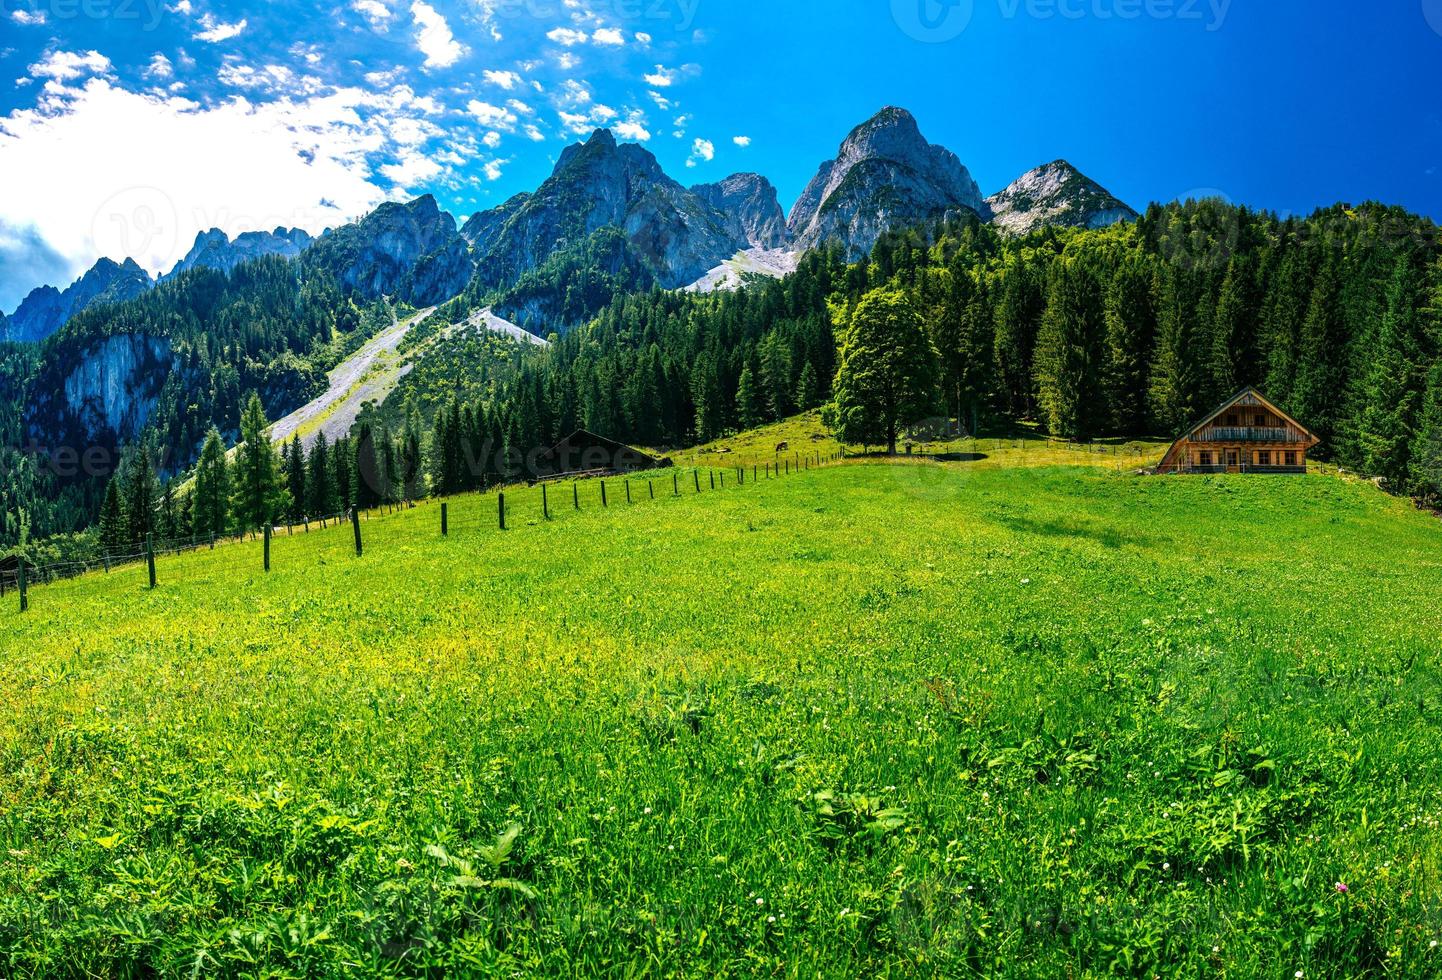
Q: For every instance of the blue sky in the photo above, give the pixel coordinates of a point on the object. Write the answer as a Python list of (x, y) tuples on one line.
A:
[(128, 125)]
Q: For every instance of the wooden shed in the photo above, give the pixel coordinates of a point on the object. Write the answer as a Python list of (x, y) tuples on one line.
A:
[(1246, 434), (587, 452)]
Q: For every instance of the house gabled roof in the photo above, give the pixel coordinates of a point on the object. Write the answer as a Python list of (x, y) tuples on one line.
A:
[(1236, 399)]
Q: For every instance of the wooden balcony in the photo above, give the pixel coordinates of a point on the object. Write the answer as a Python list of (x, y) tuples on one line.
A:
[(1250, 433)]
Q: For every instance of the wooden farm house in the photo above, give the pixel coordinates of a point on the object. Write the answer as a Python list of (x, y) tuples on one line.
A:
[(1247, 434), (587, 452)]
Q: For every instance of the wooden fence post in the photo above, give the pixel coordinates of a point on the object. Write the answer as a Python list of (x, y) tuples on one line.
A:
[(676, 484), (753, 472), (355, 525), (445, 519), (576, 494), (651, 486), (712, 474), (545, 503), (501, 508), (150, 557), (24, 595), (723, 479), (603, 493), (628, 491), (696, 475), (267, 547)]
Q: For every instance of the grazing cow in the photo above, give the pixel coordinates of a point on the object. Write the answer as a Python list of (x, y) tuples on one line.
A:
[(781, 447)]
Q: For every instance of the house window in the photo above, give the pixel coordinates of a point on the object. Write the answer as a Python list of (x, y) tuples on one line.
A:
[(1206, 458), (1260, 420), (1291, 458), (1264, 457)]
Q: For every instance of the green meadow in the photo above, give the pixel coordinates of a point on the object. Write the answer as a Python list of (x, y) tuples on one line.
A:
[(865, 720)]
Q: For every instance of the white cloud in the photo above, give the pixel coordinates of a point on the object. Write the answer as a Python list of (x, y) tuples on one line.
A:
[(65, 66), (237, 165), (662, 77), (602, 113), (574, 122), (502, 79), (30, 18), (534, 133), (702, 151), (434, 37), (566, 37), (681, 123), (492, 116), (493, 169), (492, 139), (412, 168), (741, 141), (488, 18), (159, 67), (183, 7), (609, 36), (661, 101), (216, 31), (520, 108), (643, 38), (377, 13), (566, 61), (630, 130), (574, 93)]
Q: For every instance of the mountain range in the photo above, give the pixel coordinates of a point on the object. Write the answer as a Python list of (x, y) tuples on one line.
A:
[(609, 217)]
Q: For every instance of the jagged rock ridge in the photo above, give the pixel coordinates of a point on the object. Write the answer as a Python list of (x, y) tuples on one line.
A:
[(214, 249), (47, 309)]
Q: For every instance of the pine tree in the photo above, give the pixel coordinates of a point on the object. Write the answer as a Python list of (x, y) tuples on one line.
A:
[(1131, 332), (412, 469), (777, 381), (888, 372), (114, 537), (141, 494), (1321, 383), (259, 496), (1068, 358), (1395, 384), (320, 484), (748, 407), (808, 389), (1017, 316), (1178, 374), (295, 479), (211, 494), (369, 479)]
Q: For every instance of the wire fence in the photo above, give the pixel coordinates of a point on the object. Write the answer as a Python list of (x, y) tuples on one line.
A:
[(515, 505)]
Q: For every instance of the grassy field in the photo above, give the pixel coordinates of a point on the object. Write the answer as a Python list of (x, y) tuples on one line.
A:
[(805, 434), (869, 720)]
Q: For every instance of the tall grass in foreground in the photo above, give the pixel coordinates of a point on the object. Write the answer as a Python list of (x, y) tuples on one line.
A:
[(871, 720)]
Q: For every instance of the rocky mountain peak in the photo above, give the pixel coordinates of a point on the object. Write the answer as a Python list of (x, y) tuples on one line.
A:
[(1055, 193), (47, 309), (885, 176), (748, 202)]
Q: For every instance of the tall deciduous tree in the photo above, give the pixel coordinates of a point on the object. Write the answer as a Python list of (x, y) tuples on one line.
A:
[(888, 372)]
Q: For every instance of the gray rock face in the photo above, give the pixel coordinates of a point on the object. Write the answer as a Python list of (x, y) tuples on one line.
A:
[(599, 184), (484, 227), (749, 204), (47, 309), (215, 250), (1055, 194), (885, 176), (116, 383), (376, 255)]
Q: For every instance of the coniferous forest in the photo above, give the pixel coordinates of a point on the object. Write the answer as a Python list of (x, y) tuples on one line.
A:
[(1133, 330)]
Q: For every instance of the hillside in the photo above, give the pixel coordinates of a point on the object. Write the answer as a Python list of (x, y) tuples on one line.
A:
[(865, 720)]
